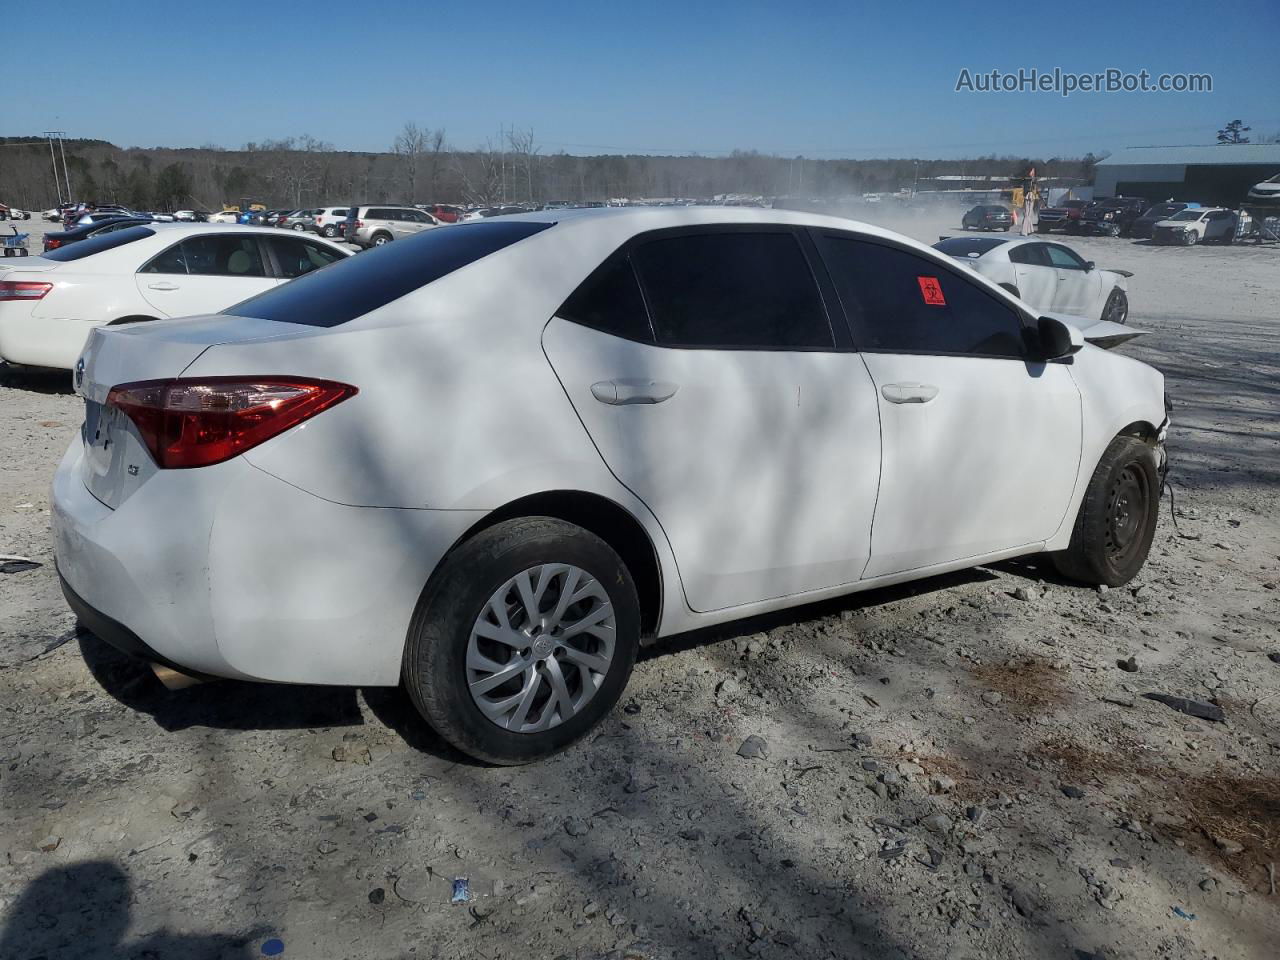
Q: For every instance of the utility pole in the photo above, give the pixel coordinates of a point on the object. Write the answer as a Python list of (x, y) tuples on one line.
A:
[(57, 182), (66, 177)]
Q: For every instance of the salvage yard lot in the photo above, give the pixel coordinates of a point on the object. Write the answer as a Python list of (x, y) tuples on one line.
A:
[(955, 768)]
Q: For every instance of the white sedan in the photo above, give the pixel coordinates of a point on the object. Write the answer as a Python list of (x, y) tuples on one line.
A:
[(487, 461), (1051, 277), (49, 304)]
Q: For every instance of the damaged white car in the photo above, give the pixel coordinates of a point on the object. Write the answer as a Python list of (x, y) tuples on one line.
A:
[(1051, 277), (489, 462)]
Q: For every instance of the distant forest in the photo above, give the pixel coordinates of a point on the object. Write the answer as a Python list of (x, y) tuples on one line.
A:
[(421, 167)]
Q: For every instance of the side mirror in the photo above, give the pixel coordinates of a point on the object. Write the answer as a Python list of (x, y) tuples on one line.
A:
[(1089, 265), (1058, 340)]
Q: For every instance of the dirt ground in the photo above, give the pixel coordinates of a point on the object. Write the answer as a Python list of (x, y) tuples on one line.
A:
[(947, 770)]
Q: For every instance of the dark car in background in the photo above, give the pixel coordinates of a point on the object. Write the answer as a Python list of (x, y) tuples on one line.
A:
[(1113, 216), (1143, 226), (52, 241), (1065, 216), (987, 216), (298, 220)]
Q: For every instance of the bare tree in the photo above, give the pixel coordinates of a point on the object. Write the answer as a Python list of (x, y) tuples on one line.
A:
[(409, 146), (526, 160)]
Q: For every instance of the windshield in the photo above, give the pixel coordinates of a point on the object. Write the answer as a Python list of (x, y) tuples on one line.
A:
[(1186, 215), (98, 243)]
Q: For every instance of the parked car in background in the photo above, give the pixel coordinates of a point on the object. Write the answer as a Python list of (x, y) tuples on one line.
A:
[(1141, 228), (329, 221), (226, 216), (902, 419), (13, 213), (1266, 193), (299, 220), (144, 272), (1050, 277), (987, 216), (374, 226), (271, 218), (1197, 225), (445, 212), (99, 216), (52, 215), (1113, 216), (1065, 216), (53, 241)]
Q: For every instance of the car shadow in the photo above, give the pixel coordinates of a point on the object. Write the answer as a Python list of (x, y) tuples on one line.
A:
[(35, 379)]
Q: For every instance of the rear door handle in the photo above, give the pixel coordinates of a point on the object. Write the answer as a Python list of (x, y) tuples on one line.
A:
[(909, 392), (620, 392), (163, 285)]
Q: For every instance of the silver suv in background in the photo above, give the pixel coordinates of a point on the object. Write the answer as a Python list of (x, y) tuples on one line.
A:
[(374, 226), (330, 221)]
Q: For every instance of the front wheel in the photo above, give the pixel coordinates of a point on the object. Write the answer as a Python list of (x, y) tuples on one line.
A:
[(1192, 238), (329, 232), (1117, 519), (381, 240), (523, 641), (299, 227)]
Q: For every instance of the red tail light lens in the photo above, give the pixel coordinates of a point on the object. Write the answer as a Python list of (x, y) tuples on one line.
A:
[(23, 290), (359, 224), (202, 421), (52, 244)]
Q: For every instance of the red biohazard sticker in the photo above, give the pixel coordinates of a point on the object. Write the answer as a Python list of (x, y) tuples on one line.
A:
[(931, 291)]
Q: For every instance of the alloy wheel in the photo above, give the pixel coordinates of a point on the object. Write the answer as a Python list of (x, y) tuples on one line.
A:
[(540, 648)]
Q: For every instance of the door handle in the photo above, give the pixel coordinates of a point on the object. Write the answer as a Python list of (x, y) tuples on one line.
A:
[(909, 392), (620, 392), (163, 285)]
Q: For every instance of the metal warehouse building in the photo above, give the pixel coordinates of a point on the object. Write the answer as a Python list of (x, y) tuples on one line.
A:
[(1221, 174)]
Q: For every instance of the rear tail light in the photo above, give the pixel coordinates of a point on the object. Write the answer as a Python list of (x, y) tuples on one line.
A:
[(359, 224), (202, 421), (52, 244), (23, 290)]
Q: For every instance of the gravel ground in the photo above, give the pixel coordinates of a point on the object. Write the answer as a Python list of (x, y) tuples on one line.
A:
[(957, 768)]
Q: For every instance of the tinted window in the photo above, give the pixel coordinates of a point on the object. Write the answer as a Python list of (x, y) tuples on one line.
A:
[(968, 246), (610, 300), (96, 244), (900, 302), (218, 255), (732, 290), (326, 298), (1029, 253), (1062, 257), (296, 256), (378, 213), (170, 261)]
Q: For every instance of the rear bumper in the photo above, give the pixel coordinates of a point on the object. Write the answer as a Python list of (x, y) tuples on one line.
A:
[(226, 571), (41, 341)]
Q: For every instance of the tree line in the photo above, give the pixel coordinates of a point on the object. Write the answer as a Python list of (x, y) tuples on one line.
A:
[(420, 166)]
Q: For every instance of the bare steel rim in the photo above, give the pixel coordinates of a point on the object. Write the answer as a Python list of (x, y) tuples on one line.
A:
[(541, 648)]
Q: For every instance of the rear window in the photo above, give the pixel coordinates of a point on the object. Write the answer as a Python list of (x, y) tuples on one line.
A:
[(966, 246), (373, 279), (98, 243)]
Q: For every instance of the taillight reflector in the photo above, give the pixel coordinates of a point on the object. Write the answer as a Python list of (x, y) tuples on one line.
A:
[(23, 290), (201, 421)]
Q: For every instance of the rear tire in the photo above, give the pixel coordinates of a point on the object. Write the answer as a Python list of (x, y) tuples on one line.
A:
[(1117, 519), (299, 227), (1117, 307), (329, 232), (447, 655)]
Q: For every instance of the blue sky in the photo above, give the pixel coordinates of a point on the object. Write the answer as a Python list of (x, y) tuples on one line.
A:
[(822, 80)]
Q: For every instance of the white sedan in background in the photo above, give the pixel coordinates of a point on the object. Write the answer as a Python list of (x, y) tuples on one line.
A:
[(48, 304), (487, 461), (1050, 277)]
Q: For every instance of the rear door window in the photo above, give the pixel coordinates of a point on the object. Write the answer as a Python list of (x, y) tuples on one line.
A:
[(1030, 254), (740, 289), (900, 302), (610, 301), (223, 255), (295, 256), (358, 285)]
